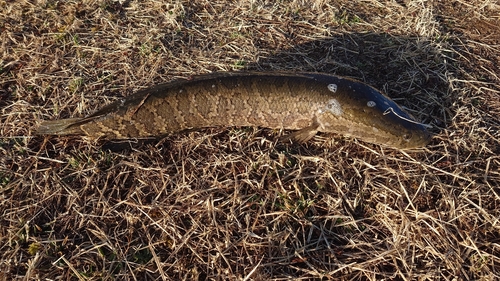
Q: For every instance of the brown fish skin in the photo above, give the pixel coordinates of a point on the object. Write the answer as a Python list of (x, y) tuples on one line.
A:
[(307, 102)]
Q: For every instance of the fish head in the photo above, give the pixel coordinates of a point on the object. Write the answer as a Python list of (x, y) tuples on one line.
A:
[(361, 111), (389, 122)]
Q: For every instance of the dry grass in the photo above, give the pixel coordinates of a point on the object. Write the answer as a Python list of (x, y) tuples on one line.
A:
[(232, 204)]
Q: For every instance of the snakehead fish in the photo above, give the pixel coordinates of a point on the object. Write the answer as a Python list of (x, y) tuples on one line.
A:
[(305, 102)]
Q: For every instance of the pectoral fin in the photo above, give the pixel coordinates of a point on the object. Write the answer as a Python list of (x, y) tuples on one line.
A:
[(302, 135)]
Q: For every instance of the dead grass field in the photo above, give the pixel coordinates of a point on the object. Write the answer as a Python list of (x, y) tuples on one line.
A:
[(233, 203)]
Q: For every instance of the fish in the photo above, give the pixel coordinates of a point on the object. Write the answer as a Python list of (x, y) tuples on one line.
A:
[(305, 103)]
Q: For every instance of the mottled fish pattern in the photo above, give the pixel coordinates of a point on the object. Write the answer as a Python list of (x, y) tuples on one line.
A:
[(305, 102)]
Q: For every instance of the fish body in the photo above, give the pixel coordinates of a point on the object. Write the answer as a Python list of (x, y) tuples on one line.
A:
[(305, 102)]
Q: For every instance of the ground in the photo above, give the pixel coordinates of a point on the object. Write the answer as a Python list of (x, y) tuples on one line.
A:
[(234, 203)]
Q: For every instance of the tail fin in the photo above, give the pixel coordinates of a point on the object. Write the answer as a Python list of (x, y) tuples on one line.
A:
[(60, 127)]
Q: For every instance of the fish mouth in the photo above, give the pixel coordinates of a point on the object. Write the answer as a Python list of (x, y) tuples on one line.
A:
[(418, 141)]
